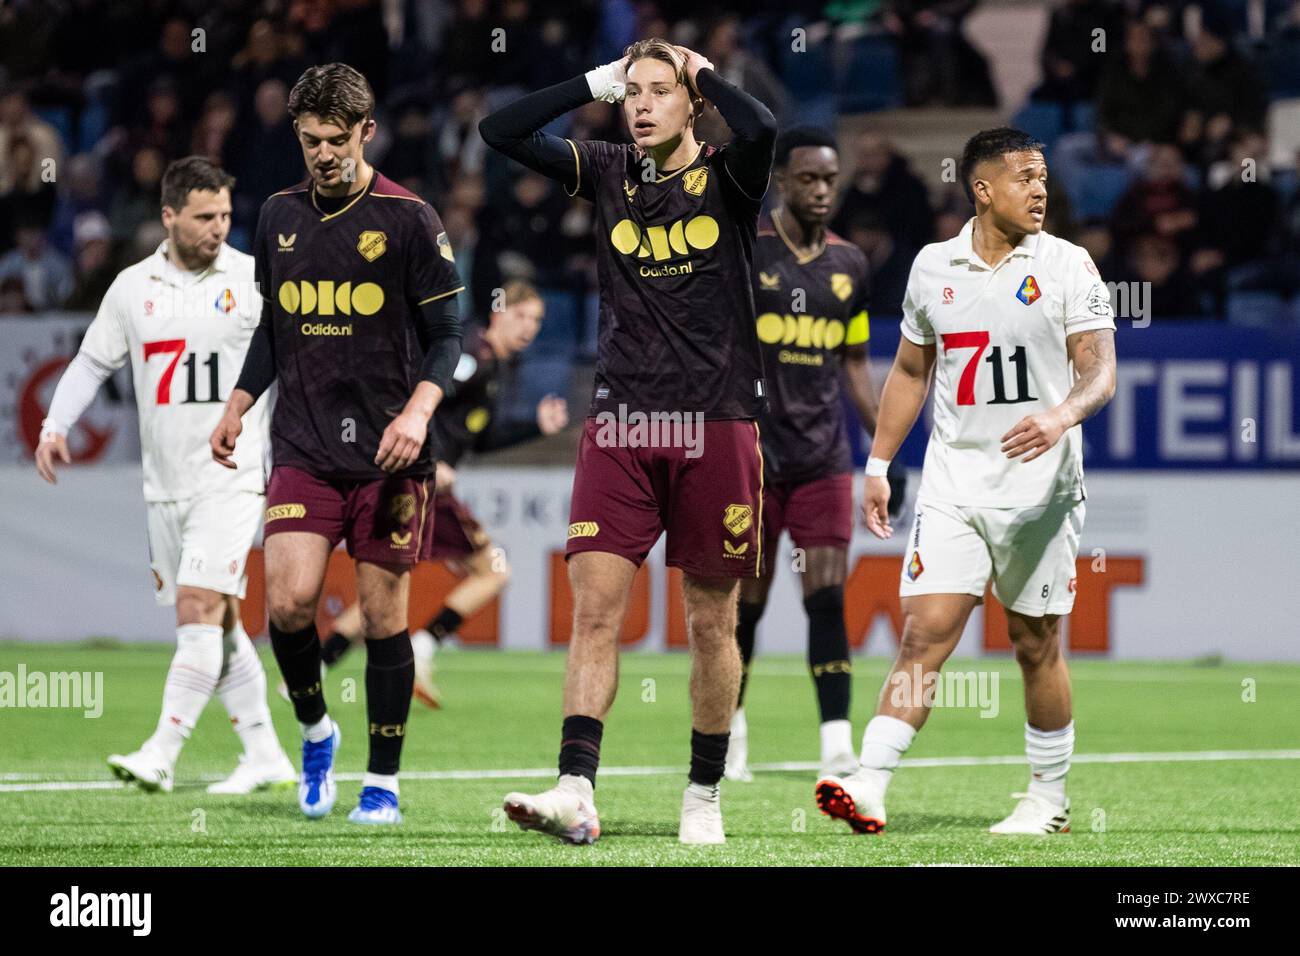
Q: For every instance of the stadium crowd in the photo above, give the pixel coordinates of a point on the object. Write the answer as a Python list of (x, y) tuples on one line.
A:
[(1147, 143)]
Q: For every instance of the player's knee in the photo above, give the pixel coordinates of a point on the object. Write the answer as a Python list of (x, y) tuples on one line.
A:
[(1035, 647), (594, 622), (921, 634), (290, 612), (199, 606)]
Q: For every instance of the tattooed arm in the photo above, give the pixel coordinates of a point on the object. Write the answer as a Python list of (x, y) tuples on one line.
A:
[(1093, 355)]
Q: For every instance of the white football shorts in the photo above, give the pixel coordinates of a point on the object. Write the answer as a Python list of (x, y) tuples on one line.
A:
[(202, 542), (1028, 553)]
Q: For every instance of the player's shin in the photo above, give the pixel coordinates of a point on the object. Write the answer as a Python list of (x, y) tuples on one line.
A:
[(828, 659), (242, 690), (191, 679), (298, 655), (390, 676), (1049, 753)]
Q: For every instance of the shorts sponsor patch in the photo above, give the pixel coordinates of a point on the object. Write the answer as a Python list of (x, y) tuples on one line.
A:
[(584, 529), (276, 512)]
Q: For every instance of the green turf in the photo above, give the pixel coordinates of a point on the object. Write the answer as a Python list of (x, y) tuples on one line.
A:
[(502, 711)]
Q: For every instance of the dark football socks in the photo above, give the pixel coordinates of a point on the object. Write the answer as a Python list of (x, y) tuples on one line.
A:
[(390, 676), (828, 651), (708, 757), (445, 623), (335, 646), (298, 654), (580, 747), (747, 615)]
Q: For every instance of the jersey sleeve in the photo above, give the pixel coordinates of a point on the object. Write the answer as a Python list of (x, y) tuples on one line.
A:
[(916, 324), (1087, 300), (106, 340), (592, 158), (859, 329), (430, 266)]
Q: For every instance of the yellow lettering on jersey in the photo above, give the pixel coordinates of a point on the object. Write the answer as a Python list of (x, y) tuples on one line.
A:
[(664, 240), (277, 512), (584, 529), (805, 331), (324, 297)]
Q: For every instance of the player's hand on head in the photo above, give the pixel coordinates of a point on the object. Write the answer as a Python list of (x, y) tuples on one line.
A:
[(875, 507), (1033, 435), (223, 439), (402, 440), (552, 414), (694, 63), (50, 447)]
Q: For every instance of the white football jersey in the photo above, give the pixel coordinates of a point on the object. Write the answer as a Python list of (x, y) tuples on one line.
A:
[(999, 333), (185, 334)]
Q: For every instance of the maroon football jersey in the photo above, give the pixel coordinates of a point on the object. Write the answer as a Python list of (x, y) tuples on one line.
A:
[(674, 256), (344, 290)]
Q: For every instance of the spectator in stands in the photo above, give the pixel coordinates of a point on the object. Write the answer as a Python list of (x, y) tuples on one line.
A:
[(1095, 236), (266, 156), (520, 237), (175, 62), (883, 183), (271, 53), (1172, 292), (722, 47), (1240, 212), (17, 121), (13, 301), (25, 193), (45, 273), (889, 264), (81, 190), (1160, 201), (213, 130), (95, 268), (939, 65), (952, 214), (1070, 64), (1141, 98), (1224, 92), (137, 200), (460, 147)]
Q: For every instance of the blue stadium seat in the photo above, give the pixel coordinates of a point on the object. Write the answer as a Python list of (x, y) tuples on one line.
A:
[(1080, 117), (868, 76), (539, 376), (1255, 309), (560, 326), (1042, 120), (91, 126), (1097, 191)]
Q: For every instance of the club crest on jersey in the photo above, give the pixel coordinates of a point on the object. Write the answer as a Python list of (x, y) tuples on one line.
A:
[(372, 244), (1029, 292), (737, 519), (915, 567), (841, 285), (225, 302), (769, 281), (695, 181)]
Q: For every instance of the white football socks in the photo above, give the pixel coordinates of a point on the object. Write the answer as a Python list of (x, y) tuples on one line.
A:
[(191, 679), (323, 729), (884, 742), (1049, 753), (837, 738), (381, 780), (242, 690)]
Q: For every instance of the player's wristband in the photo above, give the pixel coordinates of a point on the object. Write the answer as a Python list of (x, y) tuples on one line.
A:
[(607, 82), (50, 430), (877, 468)]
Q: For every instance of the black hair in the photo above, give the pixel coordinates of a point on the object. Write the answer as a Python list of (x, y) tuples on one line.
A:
[(797, 136), (992, 144)]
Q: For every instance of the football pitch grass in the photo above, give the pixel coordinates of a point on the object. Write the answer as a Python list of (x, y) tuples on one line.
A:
[(1173, 767)]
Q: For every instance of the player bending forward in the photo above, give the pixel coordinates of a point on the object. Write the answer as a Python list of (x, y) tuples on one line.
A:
[(362, 335), (675, 229), (999, 314), (466, 421), (183, 319)]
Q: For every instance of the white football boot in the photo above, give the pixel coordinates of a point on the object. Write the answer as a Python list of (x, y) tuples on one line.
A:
[(737, 767), (1034, 816), (701, 816), (838, 757), (425, 690), (855, 799), (145, 768), (250, 776), (566, 811)]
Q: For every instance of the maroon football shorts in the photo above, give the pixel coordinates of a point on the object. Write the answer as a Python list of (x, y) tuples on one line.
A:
[(456, 532), (817, 513), (710, 505), (384, 521)]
